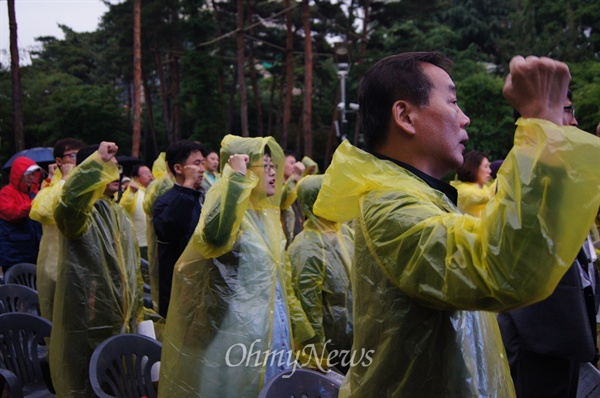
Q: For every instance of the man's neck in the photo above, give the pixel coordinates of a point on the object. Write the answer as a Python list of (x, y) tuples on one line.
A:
[(430, 180)]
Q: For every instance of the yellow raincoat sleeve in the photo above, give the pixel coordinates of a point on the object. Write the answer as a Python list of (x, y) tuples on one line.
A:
[(42, 206), (308, 277), (472, 199), (42, 210), (310, 351), (85, 185), (155, 189), (527, 237), (222, 213), (288, 195), (302, 330), (128, 200)]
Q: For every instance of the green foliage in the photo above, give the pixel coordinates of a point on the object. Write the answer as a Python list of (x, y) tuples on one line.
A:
[(492, 126), (585, 84), (57, 104), (79, 86)]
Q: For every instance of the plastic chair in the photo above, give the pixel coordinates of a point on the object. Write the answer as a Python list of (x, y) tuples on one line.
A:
[(23, 355), (302, 383), (121, 366), (22, 274), (18, 298)]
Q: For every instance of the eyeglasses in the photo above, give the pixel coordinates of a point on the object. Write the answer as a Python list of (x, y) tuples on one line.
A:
[(269, 167), (570, 110), (70, 155)]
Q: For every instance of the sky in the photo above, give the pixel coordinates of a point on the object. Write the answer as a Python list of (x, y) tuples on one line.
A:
[(41, 18)]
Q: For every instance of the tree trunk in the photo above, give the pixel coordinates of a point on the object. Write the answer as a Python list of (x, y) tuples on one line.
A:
[(280, 112), (365, 32), (137, 78), (332, 140), (254, 80), (230, 111), (220, 75), (150, 114), (289, 75), (271, 103), (308, 81), (173, 58), (241, 61), (19, 134), (174, 94), (164, 97)]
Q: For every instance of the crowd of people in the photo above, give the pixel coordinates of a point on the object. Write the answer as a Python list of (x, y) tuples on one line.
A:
[(377, 269)]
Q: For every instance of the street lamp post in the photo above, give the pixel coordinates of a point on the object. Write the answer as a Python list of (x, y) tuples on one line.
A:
[(342, 60), (342, 73)]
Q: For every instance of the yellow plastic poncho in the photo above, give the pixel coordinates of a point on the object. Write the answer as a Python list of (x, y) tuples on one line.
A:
[(99, 287), (223, 295), (42, 210), (132, 202), (424, 274), (321, 257), (291, 216), (472, 198), (162, 183), (311, 167)]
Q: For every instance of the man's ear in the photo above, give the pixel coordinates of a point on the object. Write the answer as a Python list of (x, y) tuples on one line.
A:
[(178, 168), (402, 116)]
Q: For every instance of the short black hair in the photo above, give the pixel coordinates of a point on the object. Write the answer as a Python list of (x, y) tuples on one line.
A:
[(66, 144), (208, 151), (397, 77), (289, 152), (85, 152), (135, 170), (180, 151)]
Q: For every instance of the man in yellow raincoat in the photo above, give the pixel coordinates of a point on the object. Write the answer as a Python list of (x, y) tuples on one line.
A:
[(424, 274), (42, 210), (233, 313), (321, 256), (99, 287)]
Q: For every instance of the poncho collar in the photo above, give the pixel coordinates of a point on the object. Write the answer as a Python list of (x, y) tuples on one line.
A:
[(433, 182)]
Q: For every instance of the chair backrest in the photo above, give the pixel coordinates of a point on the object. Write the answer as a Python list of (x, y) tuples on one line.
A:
[(21, 274), (19, 298), (23, 347), (121, 366), (302, 383)]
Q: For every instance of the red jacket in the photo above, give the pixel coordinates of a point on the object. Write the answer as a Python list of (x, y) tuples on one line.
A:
[(16, 197)]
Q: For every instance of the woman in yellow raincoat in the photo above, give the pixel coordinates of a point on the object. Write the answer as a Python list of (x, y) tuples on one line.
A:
[(321, 256), (99, 287), (232, 301), (474, 192)]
